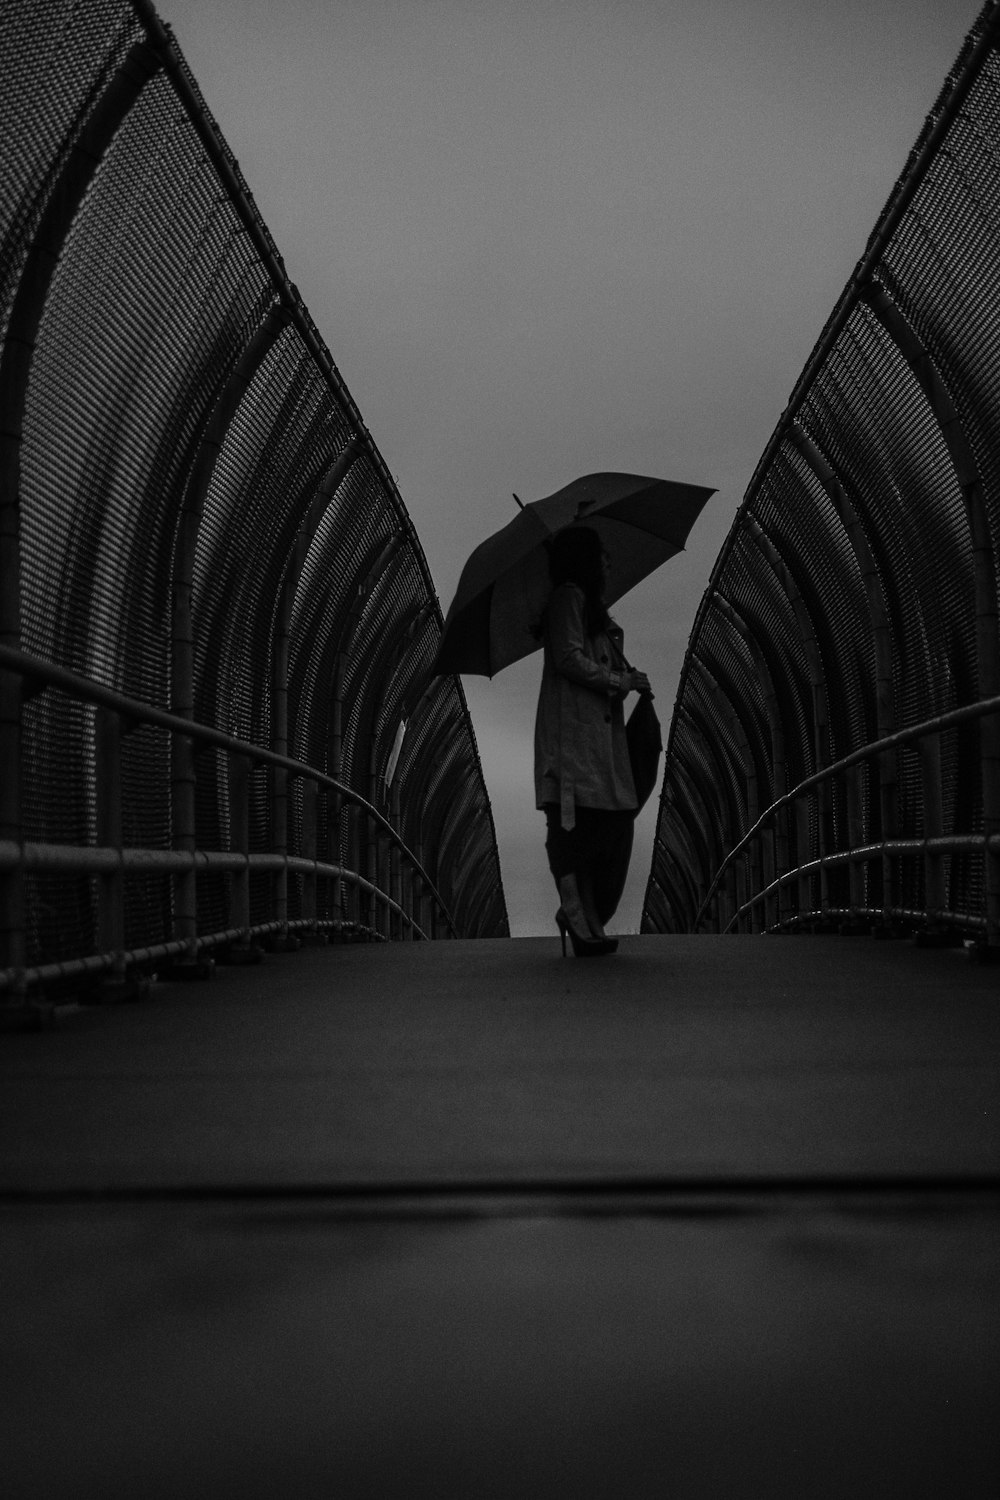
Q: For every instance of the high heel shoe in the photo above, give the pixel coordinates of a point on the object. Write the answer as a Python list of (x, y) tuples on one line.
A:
[(583, 947), (572, 918)]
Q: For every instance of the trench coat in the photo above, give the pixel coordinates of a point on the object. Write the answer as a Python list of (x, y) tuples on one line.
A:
[(581, 753)]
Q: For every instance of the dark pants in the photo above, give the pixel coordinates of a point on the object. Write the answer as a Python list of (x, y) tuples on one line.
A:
[(596, 851)]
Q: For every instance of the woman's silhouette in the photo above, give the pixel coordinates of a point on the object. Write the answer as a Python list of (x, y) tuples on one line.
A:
[(583, 779)]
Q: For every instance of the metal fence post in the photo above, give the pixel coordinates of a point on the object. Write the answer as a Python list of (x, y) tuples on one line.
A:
[(378, 912), (309, 845), (110, 888), (802, 809), (279, 843), (12, 905), (935, 897), (184, 839), (741, 892), (336, 852), (422, 908), (855, 838), (395, 864), (769, 906), (355, 846), (243, 950)]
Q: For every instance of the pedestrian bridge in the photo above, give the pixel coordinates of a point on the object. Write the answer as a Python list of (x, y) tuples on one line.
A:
[(335, 1210)]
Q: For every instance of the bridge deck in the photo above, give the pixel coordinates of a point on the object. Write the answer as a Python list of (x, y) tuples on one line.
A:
[(712, 1217)]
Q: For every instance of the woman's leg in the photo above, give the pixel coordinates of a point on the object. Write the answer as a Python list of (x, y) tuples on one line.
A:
[(567, 851), (558, 844), (589, 841), (609, 850)]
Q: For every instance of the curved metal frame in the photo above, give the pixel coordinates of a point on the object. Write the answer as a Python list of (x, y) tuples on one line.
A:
[(893, 804), (248, 309)]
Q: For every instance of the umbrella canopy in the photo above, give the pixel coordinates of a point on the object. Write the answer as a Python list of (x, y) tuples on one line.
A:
[(505, 583)]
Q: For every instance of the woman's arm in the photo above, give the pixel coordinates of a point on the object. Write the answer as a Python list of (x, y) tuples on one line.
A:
[(567, 641)]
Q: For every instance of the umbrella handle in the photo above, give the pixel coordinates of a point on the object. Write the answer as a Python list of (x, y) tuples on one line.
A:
[(629, 668)]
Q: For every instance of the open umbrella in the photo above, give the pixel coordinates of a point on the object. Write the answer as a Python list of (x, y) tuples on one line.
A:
[(505, 583)]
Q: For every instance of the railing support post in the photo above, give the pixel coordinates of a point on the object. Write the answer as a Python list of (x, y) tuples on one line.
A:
[(185, 884), (395, 866), (279, 843), (855, 839), (935, 895), (769, 906), (803, 808), (337, 846), (309, 847), (183, 830), (243, 950), (110, 888), (12, 905), (281, 941), (372, 872), (355, 844)]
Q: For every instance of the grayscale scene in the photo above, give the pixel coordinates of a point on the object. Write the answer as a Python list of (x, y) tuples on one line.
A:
[(499, 749)]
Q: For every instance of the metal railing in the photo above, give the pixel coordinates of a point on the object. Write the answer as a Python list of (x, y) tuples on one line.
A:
[(722, 909), (401, 900)]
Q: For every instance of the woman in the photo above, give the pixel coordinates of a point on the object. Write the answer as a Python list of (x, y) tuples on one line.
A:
[(583, 779)]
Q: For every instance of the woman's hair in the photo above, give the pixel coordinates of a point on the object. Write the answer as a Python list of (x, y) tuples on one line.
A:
[(576, 555)]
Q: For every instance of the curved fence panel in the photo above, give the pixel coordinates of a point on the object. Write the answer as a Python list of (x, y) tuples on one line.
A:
[(195, 528), (834, 756)]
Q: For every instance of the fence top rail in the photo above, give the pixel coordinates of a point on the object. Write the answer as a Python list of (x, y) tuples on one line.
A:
[(25, 665), (936, 725)]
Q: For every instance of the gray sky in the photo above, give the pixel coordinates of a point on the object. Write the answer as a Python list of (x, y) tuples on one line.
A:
[(551, 237)]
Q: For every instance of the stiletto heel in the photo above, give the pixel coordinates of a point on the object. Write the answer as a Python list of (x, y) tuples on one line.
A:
[(582, 947), (572, 918)]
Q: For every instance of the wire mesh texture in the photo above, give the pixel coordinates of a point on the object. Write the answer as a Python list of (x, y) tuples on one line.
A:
[(833, 761), (195, 517)]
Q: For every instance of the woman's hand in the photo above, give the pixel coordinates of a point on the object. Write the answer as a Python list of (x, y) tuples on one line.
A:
[(637, 682)]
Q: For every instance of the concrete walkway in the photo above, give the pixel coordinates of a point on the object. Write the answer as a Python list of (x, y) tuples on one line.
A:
[(712, 1217)]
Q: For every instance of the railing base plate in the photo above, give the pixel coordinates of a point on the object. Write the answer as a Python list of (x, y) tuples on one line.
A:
[(239, 954), (279, 944), (119, 991), (936, 939), (983, 953), (36, 1014), (189, 969)]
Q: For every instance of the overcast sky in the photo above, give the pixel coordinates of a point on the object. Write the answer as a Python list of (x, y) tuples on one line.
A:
[(551, 237)]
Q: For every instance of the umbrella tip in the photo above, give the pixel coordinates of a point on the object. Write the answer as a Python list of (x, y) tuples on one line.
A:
[(520, 502)]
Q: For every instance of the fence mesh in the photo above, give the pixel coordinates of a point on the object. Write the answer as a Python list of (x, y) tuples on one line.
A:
[(171, 443), (856, 594)]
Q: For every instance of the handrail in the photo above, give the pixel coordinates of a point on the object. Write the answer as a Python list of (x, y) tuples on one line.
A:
[(100, 963), (936, 725), (957, 843), (26, 665)]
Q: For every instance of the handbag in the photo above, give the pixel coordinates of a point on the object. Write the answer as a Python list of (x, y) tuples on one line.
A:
[(644, 739), (645, 746)]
